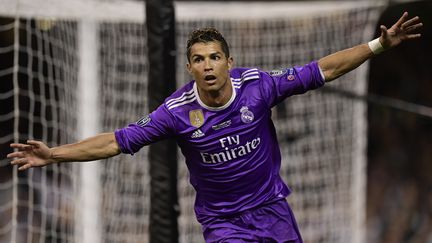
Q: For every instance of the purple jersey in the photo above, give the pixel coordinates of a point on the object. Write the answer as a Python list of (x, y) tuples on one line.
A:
[(231, 151)]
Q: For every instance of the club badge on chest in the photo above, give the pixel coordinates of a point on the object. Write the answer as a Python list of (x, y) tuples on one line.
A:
[(247, 116)]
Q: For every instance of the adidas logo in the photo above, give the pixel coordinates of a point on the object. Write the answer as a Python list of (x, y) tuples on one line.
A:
[(197, 134)]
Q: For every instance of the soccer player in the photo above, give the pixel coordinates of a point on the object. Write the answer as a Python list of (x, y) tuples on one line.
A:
[(222, 122)]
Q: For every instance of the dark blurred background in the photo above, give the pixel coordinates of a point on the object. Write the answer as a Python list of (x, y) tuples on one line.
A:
[(399, 191)]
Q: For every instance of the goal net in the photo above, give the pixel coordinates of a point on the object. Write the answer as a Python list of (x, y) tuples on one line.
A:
[(56, 54)]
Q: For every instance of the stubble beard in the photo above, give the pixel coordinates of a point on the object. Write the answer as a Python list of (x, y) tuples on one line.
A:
[(216, 94)]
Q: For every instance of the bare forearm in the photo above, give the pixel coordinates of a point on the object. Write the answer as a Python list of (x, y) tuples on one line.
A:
[(341, 62), (98, 147)]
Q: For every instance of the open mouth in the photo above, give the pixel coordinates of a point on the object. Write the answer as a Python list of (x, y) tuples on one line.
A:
[(210, 78)]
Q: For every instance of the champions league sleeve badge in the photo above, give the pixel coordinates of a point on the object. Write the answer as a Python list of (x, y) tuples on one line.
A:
[(246, 115), (291, 76), (143, 121), (278, 73)]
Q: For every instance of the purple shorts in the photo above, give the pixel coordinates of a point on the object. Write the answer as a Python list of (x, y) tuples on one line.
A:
[(273, 222)]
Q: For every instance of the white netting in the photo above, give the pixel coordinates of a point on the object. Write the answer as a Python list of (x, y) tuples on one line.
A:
[(44, 102), (125, 179), (321, 135), (38, 204)]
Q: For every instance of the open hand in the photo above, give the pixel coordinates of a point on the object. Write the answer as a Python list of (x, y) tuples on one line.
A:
[(403, 29), (32, 154)]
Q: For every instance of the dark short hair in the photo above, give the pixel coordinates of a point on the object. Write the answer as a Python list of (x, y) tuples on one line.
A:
[(206, 35)]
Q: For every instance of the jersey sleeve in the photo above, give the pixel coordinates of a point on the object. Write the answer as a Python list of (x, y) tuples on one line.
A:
[(156, 126), (278, 85)]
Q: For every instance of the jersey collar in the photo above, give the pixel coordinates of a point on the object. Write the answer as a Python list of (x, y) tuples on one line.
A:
[(212, 108)]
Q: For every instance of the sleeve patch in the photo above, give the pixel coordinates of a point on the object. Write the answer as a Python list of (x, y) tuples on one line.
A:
[(143, 121), (290, 76), (276, 73)]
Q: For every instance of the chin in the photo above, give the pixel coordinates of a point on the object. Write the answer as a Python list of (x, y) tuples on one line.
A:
[(211, 88), (216, 86)]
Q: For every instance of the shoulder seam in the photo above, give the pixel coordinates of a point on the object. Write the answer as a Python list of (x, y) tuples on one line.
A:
[(247, 75), (184, 98)]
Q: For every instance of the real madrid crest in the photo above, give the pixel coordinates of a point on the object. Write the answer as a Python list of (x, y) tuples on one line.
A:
[(196, 118), (246, 115)]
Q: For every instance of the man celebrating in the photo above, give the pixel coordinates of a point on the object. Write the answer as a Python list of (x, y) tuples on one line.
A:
[(222, 123)]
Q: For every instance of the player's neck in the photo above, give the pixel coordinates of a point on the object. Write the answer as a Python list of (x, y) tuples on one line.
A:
[(217, 98)]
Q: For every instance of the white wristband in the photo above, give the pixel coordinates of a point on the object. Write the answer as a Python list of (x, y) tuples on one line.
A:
[(375, 46)]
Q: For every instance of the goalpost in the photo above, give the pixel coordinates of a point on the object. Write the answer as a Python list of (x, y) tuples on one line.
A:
[(322, 136)]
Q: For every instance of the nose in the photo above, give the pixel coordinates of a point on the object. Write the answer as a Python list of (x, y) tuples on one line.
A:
[(207, 64)]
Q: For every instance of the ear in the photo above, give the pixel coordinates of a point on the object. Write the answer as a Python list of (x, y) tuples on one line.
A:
[(230, 62), (189, 68)]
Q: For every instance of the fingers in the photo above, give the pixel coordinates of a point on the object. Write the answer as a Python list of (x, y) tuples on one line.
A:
[(24, 167), (383, 31), (410, 22), (412, 28), (16, 155), (20, 146), (24, 157), (19, 161), (24, 146), (23, 163), (34, 143), (413, 36), (402, 19)]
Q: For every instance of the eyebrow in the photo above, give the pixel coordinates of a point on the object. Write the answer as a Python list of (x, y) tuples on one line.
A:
[(211, 54)]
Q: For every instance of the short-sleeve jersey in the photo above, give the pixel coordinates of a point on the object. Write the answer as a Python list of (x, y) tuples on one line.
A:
[(231, 151)]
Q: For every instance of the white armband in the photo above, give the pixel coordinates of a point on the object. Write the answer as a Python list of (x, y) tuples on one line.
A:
[(321, 72), (375, 46)]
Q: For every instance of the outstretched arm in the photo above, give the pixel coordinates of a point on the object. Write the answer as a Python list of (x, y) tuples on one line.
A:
[(341, 62), (36, 154)]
